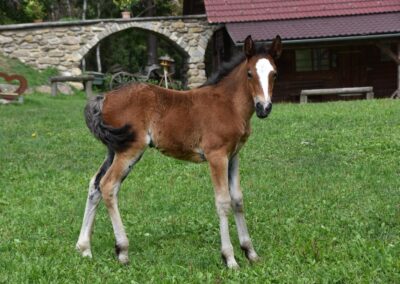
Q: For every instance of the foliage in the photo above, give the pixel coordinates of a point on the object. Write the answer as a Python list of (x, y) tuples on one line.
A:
[(132, 53), (166, 8), (34, 9), (21, 11), (34, 77), (125, 5), (321, 184), (11, 11)]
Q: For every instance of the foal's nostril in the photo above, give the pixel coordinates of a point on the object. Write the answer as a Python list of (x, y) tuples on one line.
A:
[(259, 107), (268, 108)]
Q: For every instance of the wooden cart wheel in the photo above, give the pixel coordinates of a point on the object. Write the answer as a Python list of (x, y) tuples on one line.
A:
[(121, 78)]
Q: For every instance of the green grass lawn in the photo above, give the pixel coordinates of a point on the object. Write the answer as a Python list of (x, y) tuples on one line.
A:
[(321, 185)]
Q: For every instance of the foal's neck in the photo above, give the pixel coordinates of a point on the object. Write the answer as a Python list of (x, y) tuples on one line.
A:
[(236, 88)]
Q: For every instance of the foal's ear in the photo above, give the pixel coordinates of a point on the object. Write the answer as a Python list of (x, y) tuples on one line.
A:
[(249, 48), (275, 50)]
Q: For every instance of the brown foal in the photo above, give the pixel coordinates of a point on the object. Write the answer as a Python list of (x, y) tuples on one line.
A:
[(210, 123)]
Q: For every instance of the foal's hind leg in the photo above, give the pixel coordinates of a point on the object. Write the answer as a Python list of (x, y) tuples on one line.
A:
[(93, 199), (110, 184), (238, 210), (219, 174)]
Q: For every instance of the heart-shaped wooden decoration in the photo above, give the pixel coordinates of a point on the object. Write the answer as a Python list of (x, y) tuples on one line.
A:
[(23, 84)]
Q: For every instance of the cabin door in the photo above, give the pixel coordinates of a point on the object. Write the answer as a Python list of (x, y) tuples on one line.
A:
[(352, 68)]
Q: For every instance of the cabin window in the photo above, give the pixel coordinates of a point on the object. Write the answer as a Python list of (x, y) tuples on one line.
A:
[(315, 59), (303, 60)]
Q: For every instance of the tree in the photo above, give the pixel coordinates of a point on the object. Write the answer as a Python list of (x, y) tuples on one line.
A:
[(11, 11), (152, 57), (84, 9), (34, 9), (68, 4)]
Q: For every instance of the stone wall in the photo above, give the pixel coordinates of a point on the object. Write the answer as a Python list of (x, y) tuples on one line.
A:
[(63, 44)]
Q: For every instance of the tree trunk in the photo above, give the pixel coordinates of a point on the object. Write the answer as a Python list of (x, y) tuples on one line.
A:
[(53, 17), (98, 9), (83, 65), (68, 3), (98, 58), (84, 9), (98, 55), (152, 57)]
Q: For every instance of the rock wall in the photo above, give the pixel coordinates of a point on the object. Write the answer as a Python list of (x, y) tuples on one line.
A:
[(62, 45)]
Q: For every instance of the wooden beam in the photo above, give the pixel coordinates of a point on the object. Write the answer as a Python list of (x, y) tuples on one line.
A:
[(398, 71), (396, 94), (337, 91), (389, 53), (353, 91)]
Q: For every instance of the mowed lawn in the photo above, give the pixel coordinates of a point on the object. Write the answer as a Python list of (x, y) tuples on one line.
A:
[(321, 185)]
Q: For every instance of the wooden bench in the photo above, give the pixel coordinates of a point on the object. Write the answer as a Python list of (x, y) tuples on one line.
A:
[(368, 92), (87, 80), (15, 96)]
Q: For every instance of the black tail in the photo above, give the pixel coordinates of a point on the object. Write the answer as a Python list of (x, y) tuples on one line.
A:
[(116, 139)]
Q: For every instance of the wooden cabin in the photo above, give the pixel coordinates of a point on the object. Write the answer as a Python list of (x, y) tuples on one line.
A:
[(327, 44)]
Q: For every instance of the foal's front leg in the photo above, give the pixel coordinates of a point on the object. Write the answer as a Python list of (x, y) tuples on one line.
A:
[(238, 210), (219, 174)]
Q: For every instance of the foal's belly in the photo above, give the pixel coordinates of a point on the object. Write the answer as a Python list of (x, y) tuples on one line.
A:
[(191, 156), (179, 147)]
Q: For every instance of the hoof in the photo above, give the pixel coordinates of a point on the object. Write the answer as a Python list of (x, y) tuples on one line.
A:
[(122, 255), (253, 257), (250, 253), (230, 262), (232, 265), (123, 259), (85, 252)]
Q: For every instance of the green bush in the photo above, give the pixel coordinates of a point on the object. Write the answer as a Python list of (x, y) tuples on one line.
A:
[(34, 9)]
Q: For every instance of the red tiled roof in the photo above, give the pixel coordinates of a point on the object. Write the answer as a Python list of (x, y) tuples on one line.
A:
[(227, 11), (292, 29)]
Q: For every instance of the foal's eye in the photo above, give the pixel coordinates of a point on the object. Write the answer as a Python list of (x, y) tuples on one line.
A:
[(249, 74), (275, 76)]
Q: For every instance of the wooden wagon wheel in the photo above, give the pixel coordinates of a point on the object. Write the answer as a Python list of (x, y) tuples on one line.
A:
[(121, 78)]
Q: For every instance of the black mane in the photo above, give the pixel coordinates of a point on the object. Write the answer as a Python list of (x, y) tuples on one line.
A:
[(228, 66), (224, 69)]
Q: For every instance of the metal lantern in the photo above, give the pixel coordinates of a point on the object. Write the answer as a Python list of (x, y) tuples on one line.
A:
[(166, 61)]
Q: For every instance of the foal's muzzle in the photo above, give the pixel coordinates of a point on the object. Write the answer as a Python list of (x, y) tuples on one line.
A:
[(263, 110)]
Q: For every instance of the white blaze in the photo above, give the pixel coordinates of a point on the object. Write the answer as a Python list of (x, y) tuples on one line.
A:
[(264, 68)]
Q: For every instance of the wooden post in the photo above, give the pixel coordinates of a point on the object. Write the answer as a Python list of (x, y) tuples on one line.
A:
[(54, 89), (88, 88), (396, 59), (303, 99), (398, 72), (396, 93)]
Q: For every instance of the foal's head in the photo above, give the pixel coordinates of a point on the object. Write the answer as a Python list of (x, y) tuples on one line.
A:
[(261, 73)]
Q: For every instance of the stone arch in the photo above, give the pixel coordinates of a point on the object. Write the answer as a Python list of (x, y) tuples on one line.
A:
[(183, 54), (118, 28), (191, 39)]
